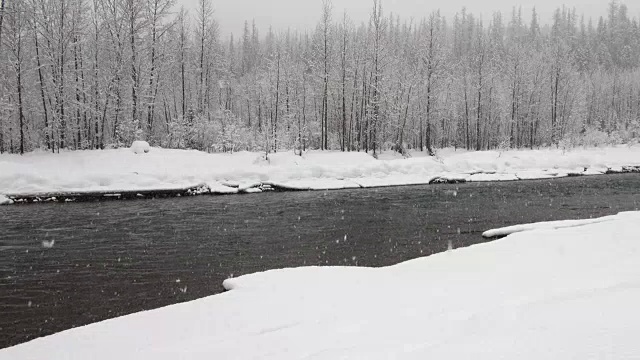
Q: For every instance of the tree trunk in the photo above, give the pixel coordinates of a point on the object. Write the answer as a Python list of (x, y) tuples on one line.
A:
[(404, 122), (2, 7), (134, 70), (87, 127), (42, 95), (344, 83), (479, 109), (61, 101), (275, 121), (152, 74), (182, 64), (20, 90), (514, 120), (326, 19), (554, 109), (78, 140), (466, 116)]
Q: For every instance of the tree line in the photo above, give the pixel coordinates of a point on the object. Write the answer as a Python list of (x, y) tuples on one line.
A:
[(95, 74)]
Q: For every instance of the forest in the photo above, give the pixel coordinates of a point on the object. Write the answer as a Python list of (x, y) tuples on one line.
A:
[(98, 74)]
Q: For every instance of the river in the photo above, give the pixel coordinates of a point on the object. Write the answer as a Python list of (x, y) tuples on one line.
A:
[(68, 265)]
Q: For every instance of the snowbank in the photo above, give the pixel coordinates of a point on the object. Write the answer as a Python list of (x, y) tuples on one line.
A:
[(553, 293), (5, 200), (124, 170), (140, 147), (548, 225)]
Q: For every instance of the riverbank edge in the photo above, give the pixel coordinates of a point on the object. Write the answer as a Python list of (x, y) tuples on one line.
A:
[(274, 186)]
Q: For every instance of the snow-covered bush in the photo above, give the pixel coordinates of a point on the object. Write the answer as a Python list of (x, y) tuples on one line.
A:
[(504, 144), (595, 138), (630, 135), (176, 134)]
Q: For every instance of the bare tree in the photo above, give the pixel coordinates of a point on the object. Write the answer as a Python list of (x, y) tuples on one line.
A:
[(2, 9), (157, 11), (481, 54), (327, 9), (16, 25), (378, 30), (133, 13), (205, 33), (100, 73), (432, 61)]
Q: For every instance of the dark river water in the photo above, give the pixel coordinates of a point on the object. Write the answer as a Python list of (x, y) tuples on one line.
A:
[(67, 265)]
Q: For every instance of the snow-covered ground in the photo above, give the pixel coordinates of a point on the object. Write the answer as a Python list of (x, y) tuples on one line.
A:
[(547, 225), (5, 200), (135, 170), (551, 292)]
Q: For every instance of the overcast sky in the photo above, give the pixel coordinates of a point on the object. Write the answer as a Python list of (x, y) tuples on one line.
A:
[(304, 14)]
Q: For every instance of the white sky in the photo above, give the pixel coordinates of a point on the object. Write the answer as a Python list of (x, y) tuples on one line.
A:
[(304, 14)]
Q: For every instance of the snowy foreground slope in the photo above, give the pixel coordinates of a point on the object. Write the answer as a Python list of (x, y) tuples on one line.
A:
[(546, 293), (136, 170)]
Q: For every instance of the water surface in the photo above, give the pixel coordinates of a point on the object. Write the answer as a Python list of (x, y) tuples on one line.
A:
[(118, 257)]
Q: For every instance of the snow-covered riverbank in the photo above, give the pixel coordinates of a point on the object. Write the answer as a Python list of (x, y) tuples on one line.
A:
[(547, 292), (124, 170)]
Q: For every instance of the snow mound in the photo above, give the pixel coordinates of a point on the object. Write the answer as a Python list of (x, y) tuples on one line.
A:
[(548, 225), (140, 147), (561, 293), (5, 200), (221, 189)]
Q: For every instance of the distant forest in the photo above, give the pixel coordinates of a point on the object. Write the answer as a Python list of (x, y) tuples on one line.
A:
[(96, 74)]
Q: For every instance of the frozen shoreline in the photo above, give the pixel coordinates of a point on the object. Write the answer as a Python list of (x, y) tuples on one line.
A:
[(93, 174)]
